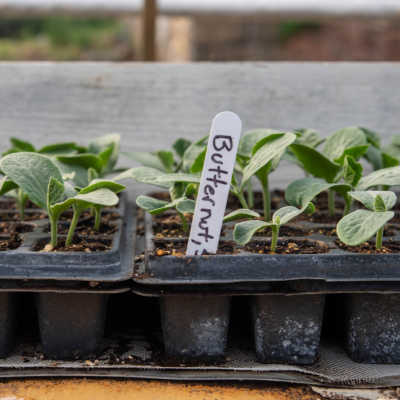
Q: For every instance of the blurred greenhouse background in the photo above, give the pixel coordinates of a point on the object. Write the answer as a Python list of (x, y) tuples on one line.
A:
[(212, 31)]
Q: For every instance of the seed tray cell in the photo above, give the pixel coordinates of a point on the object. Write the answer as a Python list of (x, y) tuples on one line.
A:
[(23, 262), (323, 271)]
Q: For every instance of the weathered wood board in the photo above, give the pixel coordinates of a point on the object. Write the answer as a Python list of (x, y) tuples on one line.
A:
[(152, 104)]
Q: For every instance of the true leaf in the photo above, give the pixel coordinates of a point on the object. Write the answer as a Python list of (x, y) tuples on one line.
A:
[(55, 192), (167, 159), (59, 148), (285, 214), (386, 199), (352, 171), (299, 193), (308, 137), (355, 152), (360, 225), (315, 163), (84, 160), (180, 146), (98, 145), (338, 142), (6, 185), (250, 138), (267, 152), (22, 145), (146, 159)]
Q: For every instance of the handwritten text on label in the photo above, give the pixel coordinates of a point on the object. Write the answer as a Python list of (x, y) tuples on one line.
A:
[(214, 184)]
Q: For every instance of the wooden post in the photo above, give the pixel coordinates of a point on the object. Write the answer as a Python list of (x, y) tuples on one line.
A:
[(149, 29)]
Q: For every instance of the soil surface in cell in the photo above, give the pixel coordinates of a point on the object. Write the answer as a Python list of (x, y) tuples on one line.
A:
[(178, 248), (10, 243), (288, 247), (285, 230), (11, 204), (12, 227), (16, 216), (388, 247), (78, 244)]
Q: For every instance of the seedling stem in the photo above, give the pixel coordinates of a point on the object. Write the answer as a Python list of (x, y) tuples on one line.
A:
[(379, 235)]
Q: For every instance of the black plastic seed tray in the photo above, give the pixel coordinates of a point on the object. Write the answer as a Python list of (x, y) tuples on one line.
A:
[(25, 261), (333, 270)]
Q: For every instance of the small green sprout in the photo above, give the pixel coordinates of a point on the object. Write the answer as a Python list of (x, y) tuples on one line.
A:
[(360, 225), (244, 231)]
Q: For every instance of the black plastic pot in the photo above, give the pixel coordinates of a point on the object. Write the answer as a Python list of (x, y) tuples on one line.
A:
[(287, 329), (373, 328), (195, 327), (8, 321), (71, 324), (72, 287)]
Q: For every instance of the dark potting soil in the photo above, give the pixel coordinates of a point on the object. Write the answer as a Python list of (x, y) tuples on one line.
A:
[(13, 227), (285, 230), (288, 247), (178, 248), (85, 227), (388, 247), (79, 244), (10, 243), (29, 216), (10, 204), (169, 225)]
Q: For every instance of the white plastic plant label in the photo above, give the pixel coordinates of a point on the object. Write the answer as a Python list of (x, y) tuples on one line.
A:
[(215, 183)]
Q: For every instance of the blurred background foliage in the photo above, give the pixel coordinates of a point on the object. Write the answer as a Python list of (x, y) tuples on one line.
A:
[(200, 38)]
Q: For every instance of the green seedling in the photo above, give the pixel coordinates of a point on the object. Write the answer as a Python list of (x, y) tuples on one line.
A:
[(245, 230), (304, 190), (40, 178), (360, 225), (259, 154), (338, 160), (163, 160)]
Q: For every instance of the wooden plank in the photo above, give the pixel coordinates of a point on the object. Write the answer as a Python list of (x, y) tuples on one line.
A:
[(149, 29), (153, 104)]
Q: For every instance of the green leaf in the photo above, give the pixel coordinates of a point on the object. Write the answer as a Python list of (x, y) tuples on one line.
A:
[(32, 173), (167, 160), (274, 146), (6, 185), (299, 193), (198, 163), (98, 145), (241, 213), (155, 177), (372, 137), (359, 226), (244, 231), (92, 174), (250, 138), (375, 157), (84, 160), (388, 160), (101, 184), (80, 174), (193, 152), (338, 142), (105, 157), (285, 214), (180, 146), (152, 205), (102, 197), (352, 171), (356, 152), (375, 200), (385, 176), (308, 137), (315, 163), (185, 206), (55, 192), (59, 149), (21, 145), (146, 159)]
